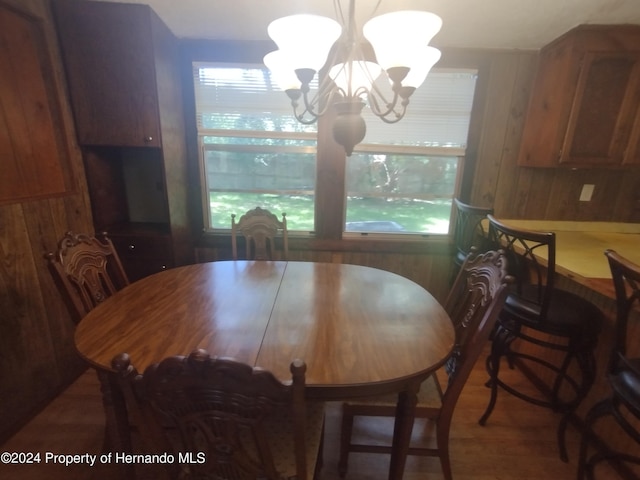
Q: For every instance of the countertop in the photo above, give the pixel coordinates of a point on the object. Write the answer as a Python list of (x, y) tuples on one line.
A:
[(580, 248)]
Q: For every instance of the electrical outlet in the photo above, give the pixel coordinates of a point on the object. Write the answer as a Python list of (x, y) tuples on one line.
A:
[(587, 192)]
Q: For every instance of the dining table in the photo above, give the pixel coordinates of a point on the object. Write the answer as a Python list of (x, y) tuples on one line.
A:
[(360, 330)]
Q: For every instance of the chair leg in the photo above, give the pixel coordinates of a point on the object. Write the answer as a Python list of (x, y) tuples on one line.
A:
[(493, 368), (346, 430), (442, 438)]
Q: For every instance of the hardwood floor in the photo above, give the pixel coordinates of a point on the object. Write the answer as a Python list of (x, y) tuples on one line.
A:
[(518, 442)]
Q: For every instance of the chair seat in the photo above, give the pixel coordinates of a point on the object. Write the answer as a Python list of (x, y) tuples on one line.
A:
[(279, 429), (568, 314), (626, 384)]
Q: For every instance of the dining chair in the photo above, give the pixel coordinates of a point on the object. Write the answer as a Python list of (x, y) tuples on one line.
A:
[(87, 270), (623, 372), (550, 329), (469, 231), (232, 421), (259, 228), (473, 304)]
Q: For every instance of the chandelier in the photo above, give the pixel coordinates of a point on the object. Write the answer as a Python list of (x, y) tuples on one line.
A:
[(349, 64)]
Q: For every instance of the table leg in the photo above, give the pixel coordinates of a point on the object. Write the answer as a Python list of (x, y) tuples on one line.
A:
[(117, 432), (405, 416)]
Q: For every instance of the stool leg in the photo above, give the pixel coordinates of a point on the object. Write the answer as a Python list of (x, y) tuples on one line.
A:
[(499, 346), (598, 410), (587, 363)]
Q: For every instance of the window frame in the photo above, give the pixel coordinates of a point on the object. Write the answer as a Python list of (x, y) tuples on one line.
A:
[(328, 234)]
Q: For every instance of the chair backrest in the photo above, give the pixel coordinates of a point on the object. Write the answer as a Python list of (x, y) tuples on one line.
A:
[(219, 407), (474, 302), (259, 228), (469, 230), (532, 261), (87, 270), (626, 282)]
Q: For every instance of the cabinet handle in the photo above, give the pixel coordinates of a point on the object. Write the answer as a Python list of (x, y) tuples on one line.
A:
[(132, 247), (148, 139), (164, 267)]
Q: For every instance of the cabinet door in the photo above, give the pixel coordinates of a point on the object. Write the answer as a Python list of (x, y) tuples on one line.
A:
[(603, 110), (109, 58)]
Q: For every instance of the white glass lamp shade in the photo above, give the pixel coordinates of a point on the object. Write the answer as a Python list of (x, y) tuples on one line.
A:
[(399, 38), (305, 39), (421, 67), (281, 70), (350, 77)]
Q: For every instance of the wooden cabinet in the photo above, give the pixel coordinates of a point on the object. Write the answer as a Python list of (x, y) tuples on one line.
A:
[(122, 67), (113, 50), (584, 108)]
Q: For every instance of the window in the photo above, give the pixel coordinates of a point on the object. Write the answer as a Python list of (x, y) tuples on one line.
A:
[(400, 180)]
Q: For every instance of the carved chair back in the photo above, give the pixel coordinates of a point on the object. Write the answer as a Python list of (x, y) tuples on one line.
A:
[(87, 270), (259, 228), (221, 408), (474, 303)]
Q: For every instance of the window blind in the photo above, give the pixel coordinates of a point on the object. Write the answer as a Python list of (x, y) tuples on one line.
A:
[(247, 98)]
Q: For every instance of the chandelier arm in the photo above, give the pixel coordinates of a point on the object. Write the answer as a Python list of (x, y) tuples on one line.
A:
[(302, 119), (312, 104), (396, 119), (391, 106)]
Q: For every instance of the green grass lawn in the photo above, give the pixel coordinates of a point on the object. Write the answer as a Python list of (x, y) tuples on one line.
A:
[(415, 216)]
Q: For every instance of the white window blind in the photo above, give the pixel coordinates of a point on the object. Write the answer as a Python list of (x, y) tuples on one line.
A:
[(237, 98), (437, 115)]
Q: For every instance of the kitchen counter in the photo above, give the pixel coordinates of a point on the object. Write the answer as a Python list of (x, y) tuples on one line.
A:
[(580, 248)]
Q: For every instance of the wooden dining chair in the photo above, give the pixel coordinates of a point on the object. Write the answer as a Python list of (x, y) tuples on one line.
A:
[(259, 227), (233, 421), (469, 231), (476, 298), (87, 270), (623, 373), (552, 330)]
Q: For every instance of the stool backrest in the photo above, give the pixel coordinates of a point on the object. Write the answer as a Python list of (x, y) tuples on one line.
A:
[(532, 260), (626, 282)]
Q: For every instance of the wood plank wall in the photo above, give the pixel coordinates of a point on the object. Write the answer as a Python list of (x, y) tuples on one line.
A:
[(37, 355), (535, 193)]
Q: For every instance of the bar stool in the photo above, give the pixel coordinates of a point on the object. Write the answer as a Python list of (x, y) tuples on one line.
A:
[(468, 231), (543, 319), (623, 372)]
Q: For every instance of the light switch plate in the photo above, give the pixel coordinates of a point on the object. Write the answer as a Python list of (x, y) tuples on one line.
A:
[(587, 192)]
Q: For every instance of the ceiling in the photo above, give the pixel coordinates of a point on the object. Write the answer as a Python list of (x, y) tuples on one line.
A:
[(510, 24)]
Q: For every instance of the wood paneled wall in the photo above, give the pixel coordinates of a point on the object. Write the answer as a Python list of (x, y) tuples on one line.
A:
[(538, 193), (37, 355)]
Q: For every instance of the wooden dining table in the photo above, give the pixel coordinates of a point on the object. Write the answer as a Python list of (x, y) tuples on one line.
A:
[(360, 330)]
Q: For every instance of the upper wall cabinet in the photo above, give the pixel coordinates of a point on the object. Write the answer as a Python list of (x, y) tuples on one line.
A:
[(111, 59), (584, 109)]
